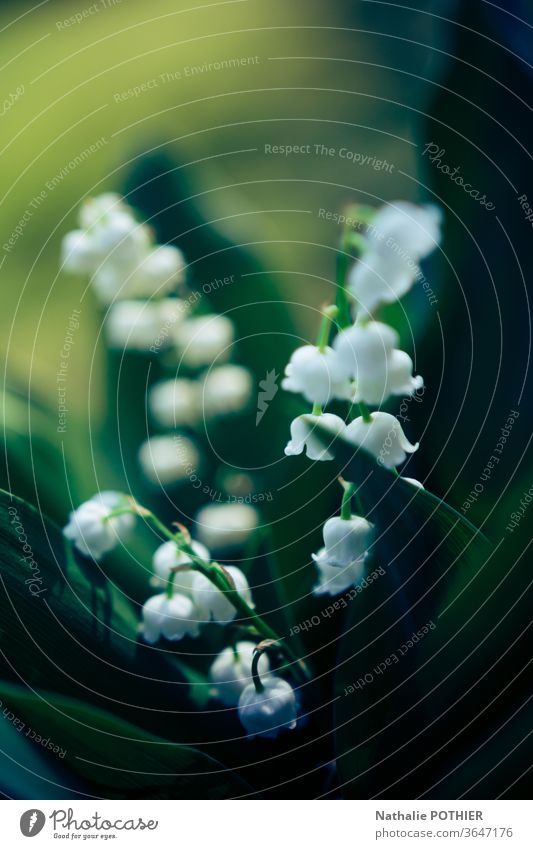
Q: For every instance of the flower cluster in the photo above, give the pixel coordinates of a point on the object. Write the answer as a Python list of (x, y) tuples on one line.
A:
[(364, 366), (194, 591), (137, 281)]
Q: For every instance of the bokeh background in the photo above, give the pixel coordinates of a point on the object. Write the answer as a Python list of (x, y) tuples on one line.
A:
[(382, 80)]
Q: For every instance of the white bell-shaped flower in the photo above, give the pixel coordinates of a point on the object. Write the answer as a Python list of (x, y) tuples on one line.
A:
[(93, 211), (317, 375), (160, 271), (226, 390), (226, 526), (346, 540), (334, 579), (79, 254), (212, 604), (174, 403), (133, 325), (304, 435), (168, 557), (400, 235), (167, 460), (231, 672), (267, 713), (367, 354), (382, 436), (121, 238), (172, 618), (204, 339), (90, 529)]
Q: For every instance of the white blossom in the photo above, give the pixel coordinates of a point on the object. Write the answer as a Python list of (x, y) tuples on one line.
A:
[(399, 236), (168, 459), (174, 403), (346, 540), (231, 672), (78, 253), (167, 557), (265, 714), (333, 579), (90, 529), (304, 436), (367, 353), (94, 210), (317, 375), (212, 604), (226, 526), (160, 271), (226, 390), (172, 618), (414, 482), (204, 339), (382, 436)]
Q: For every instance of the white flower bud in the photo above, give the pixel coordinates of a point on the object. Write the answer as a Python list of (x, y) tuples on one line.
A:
[(346, 540), (160, 271), (317, 375), (212, 604), (168, 459), (400, 235), (90, 529), (231, 672), (303, 435), (79, 254), (172, 618), (174, 403), (121, 238), (204, 339), (167, 557), (226, 526), (133, 325), (94, 210), (382, 436), (265, 714), (226, 390), (367, 354), (333, 579)]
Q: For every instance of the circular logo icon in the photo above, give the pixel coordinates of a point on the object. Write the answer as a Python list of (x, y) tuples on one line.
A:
[(32, 822)]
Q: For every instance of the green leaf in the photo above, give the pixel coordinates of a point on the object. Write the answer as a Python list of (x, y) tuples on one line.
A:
[(116, 755), (389, 690)]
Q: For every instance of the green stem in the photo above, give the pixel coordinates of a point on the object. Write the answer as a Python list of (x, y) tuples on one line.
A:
[(317, 410), (329, 315), (215, 573), (365, 412), (346, 506)]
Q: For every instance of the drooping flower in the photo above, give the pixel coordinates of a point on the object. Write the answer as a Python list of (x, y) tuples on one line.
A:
[(167, 460), (204, 339), (226, 390), (90, 528), (266, 713), (367, 354), (174, 403), (304, 435), (137, 325), (168, 557), (382, 436), (334, 579), (226, 526), (159, 272), (317, 375), (231, 672), (346, 540), (212, 604), (400, 235), (172, 618)]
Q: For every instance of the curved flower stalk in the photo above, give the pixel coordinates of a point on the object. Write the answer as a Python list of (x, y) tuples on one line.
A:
[(197, 591), (363, 365)]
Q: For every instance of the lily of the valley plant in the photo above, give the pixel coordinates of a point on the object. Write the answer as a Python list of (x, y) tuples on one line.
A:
[(356, 360)]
